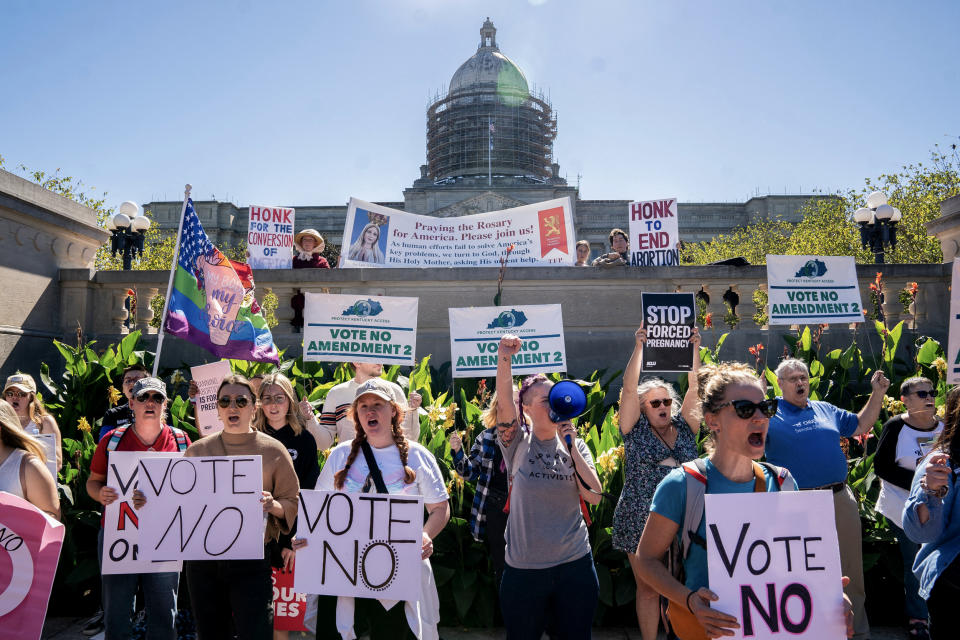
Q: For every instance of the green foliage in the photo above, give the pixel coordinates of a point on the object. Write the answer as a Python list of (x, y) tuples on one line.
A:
[(760, 301), (827, 228), (269, 306)]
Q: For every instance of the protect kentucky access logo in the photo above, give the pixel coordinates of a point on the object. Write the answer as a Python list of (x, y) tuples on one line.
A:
[(812, 269), (364, 308), (508, 319)]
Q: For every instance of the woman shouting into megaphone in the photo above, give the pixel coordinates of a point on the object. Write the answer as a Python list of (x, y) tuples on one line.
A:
[(549, 572)]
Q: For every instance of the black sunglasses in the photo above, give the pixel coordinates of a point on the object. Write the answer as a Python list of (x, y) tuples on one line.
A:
[(147, 397), (656, 403), (226, 401), (923, 393), (745, 409)]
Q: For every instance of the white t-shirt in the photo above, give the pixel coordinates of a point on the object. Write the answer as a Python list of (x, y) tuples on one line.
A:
[(428, 483), (912, 446)]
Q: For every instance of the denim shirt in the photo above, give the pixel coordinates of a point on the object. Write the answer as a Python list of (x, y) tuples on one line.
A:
[(939, 536)]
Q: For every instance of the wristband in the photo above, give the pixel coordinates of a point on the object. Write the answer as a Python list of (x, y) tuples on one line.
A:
[(688, 601)]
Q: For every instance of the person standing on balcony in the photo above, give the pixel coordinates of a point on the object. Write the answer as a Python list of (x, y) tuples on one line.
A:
[(805, 437), (618, 256)]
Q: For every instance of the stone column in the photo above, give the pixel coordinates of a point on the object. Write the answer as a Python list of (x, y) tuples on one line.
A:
[(145, 296), (947, 228)]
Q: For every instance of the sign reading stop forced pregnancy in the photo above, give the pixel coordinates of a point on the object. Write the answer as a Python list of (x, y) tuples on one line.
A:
[(668, 319), (359, 328), (654, 233), (270, 237)]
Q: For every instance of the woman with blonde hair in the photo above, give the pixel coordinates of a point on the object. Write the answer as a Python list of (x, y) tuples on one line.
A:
[(20, 391), (22, 471), (367, 246), (401, 467)]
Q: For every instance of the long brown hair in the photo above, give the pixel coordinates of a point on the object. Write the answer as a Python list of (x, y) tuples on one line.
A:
[(409, 475), (948, 442), (13, 435), (293, 413)]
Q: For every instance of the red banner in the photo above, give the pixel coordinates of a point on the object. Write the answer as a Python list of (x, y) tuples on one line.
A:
[(553, 231), (30, 544), (288, 607)]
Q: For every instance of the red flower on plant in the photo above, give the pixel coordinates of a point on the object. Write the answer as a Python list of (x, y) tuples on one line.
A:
[(131, 292), (755, 350), (874, 287), (511, 247), (912, 288), (708, 321)]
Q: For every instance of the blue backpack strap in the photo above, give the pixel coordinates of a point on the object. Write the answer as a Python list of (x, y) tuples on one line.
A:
[(116, 436), (781, 474), (181, 439)]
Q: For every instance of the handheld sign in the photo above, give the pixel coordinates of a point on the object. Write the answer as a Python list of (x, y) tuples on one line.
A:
[(813, 290), (121, 522), (30, 542), (654, 233), (365, 545), (475, 335), (202, 508), (358, 328), (289, 607), (270, 237), (774, 567), (669, 319), (208, 378), (49, 442), (953, 342)]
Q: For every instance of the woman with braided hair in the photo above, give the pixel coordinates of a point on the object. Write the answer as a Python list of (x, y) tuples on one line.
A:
[(407, 468)]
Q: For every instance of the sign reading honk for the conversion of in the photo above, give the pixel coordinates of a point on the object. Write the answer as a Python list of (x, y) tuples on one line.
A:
[(475, 335), (813, 290), (359, 328)]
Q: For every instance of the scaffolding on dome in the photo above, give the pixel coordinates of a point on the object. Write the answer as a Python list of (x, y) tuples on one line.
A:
[(458, 134)]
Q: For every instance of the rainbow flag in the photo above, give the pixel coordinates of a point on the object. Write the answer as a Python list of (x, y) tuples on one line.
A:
[(212, 303)]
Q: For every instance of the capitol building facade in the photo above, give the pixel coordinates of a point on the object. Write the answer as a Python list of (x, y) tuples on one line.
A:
[(490, 147)]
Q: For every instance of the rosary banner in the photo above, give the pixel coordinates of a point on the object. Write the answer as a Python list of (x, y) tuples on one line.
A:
[(813, 290), (953, 343), (270, 237), (356, 328), (541, 234), (475, 334), (654, 233)]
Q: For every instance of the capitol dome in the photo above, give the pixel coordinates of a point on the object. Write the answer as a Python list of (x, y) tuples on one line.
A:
[(490, 68)]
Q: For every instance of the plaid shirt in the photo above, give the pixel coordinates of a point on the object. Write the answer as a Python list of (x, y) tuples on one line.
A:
[(478, 466)]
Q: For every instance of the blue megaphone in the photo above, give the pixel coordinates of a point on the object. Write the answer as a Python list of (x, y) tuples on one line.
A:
[(567, 400)]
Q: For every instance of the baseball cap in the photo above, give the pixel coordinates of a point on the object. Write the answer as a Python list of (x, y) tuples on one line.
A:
[(22, 381), (150, 384), (377, 386)]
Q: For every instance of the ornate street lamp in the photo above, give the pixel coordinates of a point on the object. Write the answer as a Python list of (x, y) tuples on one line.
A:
[(128, 229), (878, 225)]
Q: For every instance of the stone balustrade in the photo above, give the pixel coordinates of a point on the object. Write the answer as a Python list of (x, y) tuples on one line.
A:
[(601, 307)]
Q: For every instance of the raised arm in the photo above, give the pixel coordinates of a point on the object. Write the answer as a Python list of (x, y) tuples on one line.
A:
[(629, 401), (871, 411), (506, 411), (411, 421), (689, 408)]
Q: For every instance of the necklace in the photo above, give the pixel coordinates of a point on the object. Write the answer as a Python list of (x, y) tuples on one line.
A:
[(660, 435), (149, 445)]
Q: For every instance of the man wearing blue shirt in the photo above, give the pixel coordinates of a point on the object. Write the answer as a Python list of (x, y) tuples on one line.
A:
[(804, 436)]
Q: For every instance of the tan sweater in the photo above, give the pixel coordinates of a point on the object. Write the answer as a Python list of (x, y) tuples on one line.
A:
[(279, 478)]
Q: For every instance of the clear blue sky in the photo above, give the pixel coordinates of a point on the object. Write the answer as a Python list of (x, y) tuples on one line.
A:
[(309, 103)]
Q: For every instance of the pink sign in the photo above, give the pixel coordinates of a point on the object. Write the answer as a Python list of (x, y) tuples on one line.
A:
[(30, 544)]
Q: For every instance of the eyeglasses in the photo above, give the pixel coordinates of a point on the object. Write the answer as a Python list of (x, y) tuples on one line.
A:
[(665, 402), (745, 409), (277, 399), (227, 401), (923, 393), (150, 397), (14, 393)]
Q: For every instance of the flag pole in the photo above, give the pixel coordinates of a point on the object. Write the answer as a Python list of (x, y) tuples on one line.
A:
[(490, 151), (173, 269)]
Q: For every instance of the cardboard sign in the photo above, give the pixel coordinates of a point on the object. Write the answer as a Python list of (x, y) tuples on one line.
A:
[(121, 522), (378, 236), (654, 233), (289, 607), (208, 378), (270, 237), (30, 542), (475, 334), (953, 342), (365, 545), (202, 508), (813, 290), (357, 328), (774, 567), (669, 319)]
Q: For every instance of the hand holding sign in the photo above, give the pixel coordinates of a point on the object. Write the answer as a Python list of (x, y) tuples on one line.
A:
[(716, 623), (640, 336)]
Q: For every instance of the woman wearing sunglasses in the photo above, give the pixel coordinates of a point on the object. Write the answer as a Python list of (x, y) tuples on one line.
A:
[(20, 391), (238, 594), (906, 439), (735, 410), (658, 435)]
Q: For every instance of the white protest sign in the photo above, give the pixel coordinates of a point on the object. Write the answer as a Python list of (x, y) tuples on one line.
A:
[(378, 236), (813, 290), (49, 442), (208, 378), (365, 545), (358, 328), (654, 233), (121, 530), (202, 508), (475, 334), (953, 342), (270, 237), (774, 562)]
